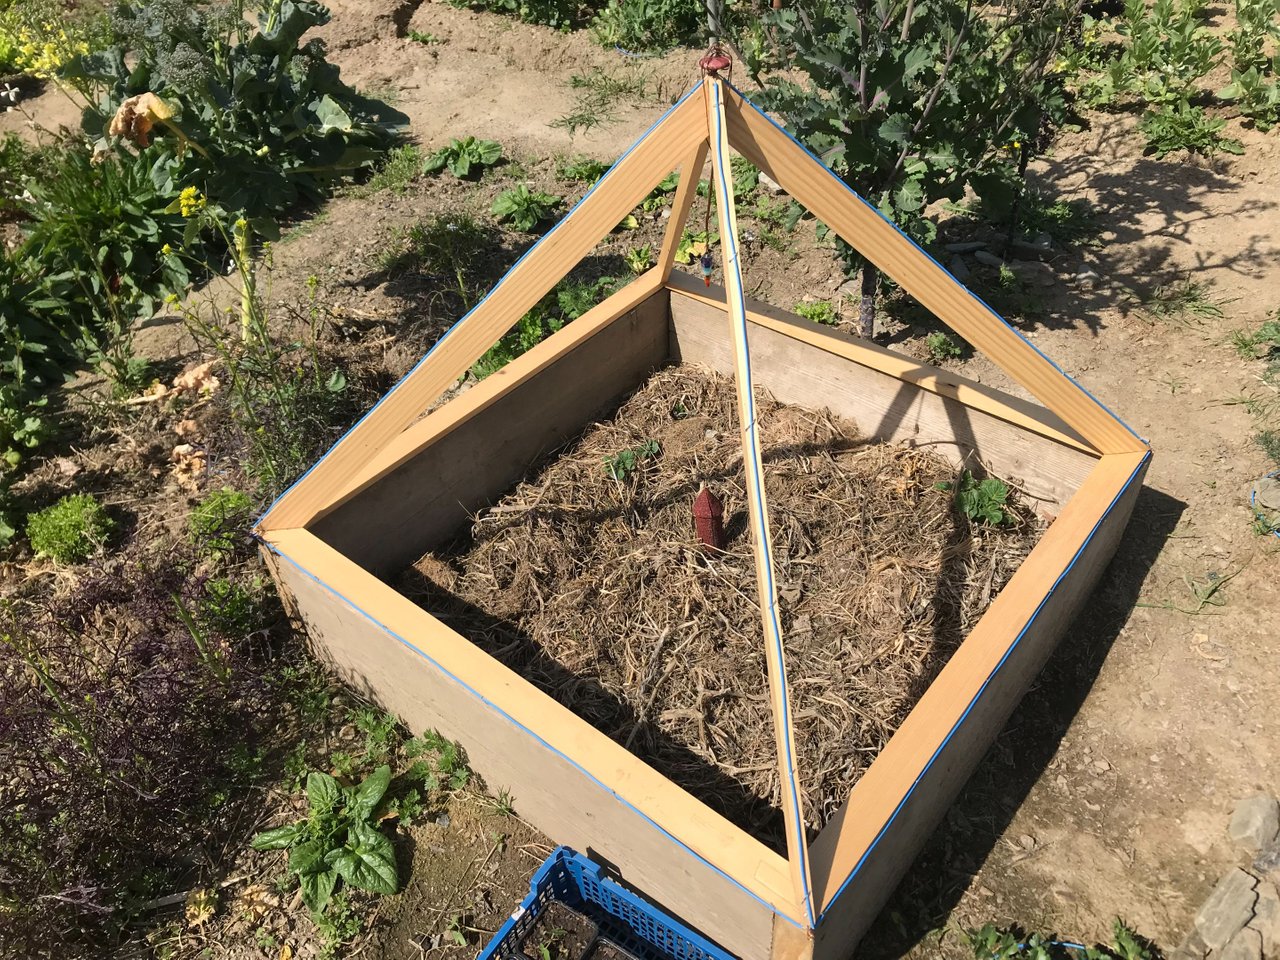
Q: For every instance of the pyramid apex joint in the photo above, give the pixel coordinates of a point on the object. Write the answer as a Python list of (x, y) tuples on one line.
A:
[(716, 59)]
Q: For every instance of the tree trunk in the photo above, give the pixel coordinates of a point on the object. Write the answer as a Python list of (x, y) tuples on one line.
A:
[(867, 306)]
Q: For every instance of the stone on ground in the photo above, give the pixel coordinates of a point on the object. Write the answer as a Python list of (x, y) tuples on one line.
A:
[(1266, 920), (1245, 945), (1228, 908), (1255, 822)]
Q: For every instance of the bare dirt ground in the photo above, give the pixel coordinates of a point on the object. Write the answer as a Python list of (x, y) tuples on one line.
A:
[(1110, 789)]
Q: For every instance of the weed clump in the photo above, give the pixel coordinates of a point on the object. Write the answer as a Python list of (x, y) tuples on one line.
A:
[(71, 530), (218, 521)]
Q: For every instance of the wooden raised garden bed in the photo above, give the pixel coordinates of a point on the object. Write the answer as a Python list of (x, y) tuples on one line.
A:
[(407, 487)]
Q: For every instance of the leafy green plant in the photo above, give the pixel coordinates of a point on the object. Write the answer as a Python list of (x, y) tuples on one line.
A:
[(639, 259), (525, 208), (619, 466), (1260, 344), (396, 171), (597, 95), (449, 245), (983, 501), (234, 607), (448, 768), (693, 244), (466, 158), (71, 530), (562, 14), (568, 301), (103, 227), (998, 943), (650, 25), (1184, 126), (34, 349), (942, 346), (531, 329), (220, 521), (339, 840), (582, 169), (1180, 300), (915, 101), (576, 297), (819, 311), (426, 39)]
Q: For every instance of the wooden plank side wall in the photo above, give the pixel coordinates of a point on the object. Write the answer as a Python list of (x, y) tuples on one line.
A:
[(392, 522), (549, 791), (852, 911), (882, 406)]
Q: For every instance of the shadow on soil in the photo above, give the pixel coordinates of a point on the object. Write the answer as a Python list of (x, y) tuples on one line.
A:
[(953, 855)]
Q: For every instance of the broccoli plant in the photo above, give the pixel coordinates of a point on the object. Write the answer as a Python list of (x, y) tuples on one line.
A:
[(914, 101)]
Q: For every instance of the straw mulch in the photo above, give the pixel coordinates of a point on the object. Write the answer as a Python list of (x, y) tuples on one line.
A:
[(597, 590)]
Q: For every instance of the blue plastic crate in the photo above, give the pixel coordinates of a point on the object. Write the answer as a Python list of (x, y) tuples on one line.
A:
[(629, 921)]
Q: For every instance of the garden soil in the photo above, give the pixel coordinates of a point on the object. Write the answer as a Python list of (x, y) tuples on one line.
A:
[(1110, 789)]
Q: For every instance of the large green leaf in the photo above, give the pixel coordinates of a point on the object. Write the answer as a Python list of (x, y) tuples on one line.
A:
[(317, 888), (370, 792), (368, 861), (278, 838), (323, 792), (331, 116), (308, 857)]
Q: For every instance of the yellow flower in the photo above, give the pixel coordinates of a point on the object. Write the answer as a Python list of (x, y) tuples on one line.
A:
[(191, 201), (166, 250)]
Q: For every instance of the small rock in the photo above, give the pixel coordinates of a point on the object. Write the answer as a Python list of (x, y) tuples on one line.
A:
[(1228, 908), (967, 247), (987, 259), (1192, 948), (1033, 271), (1101, 766), (443, 821), (770, 184), (1245, 945), (1255, 822), (851, 289), (348, 732), (1268, 860), (958, 269), (1266, 919), (1039, 248), (1087, 279), (1266, 493)]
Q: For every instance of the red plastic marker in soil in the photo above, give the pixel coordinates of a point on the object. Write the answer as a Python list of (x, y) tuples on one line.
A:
[(708, 519)]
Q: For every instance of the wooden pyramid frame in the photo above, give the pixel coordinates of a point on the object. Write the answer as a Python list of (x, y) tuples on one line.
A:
[(404, 474)]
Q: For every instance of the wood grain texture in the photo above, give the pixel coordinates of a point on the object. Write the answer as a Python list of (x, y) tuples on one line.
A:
[(529, 364), (617, 194), (957, 718), (1026, 414), (477, 447), (810, 367), (818, 190), (686, 193), (605, 800), (758, 504)]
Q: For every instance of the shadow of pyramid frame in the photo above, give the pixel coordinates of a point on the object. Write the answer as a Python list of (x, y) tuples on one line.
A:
[(404, 479)]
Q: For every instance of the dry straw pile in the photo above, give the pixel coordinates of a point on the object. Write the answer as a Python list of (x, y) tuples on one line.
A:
[(596, 589)]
